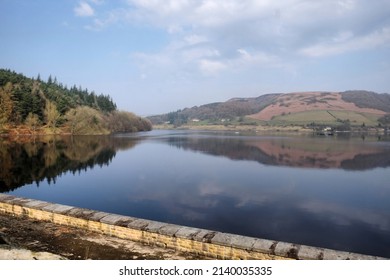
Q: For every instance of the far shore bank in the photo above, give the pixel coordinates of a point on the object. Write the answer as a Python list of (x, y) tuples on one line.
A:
[(13, 133), (263, 129)]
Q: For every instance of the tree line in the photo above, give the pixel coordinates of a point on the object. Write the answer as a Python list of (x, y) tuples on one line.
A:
[(231, 109), (43, 106)]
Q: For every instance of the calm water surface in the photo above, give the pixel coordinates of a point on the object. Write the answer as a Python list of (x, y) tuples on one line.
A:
[(331, 192)]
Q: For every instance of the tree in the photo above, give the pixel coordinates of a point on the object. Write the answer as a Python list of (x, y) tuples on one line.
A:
[(85, 120), (6, 104), (32, 121), (52, 115), (120, 121)]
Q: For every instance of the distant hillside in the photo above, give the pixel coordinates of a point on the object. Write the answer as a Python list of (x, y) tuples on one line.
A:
[(34, 106), (233, 108), (337, 109), (368, 99)]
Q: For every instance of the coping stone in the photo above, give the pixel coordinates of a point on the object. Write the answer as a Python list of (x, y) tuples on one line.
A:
[(310, 253), (97, 216), (242, 242), (335, 255), (169, 229), (355, 256), (57, 208), (263, 246), (113, 219), (19, 201), (81, 213), (139, 224), (204, 236), (222, 239), (340, 255), (154, 226), (285, 249), (6, 197), (37, 204), (187, 232)]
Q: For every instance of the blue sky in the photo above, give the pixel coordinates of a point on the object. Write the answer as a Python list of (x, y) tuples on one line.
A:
[(157, 56)]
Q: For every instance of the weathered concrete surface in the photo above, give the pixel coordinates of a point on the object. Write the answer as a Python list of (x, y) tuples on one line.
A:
[(26, 239), (10, 253)]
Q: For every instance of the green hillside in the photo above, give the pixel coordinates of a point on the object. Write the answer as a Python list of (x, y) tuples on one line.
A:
[(368, 99), (327, 117), (344, 110), (214, 112), (34, 106)]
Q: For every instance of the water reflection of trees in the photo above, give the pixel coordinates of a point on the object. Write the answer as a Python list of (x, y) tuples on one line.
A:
[(294, 152), (35, 160)]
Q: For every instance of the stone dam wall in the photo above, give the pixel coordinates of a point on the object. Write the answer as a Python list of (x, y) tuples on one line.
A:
[(203, 242)]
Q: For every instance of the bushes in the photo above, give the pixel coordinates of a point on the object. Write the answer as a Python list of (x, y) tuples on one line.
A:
[(120, 121)]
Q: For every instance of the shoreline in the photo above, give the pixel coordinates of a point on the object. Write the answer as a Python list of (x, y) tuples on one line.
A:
[(264, 129)]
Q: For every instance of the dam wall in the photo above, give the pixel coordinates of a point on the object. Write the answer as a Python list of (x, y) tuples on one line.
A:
[(202, 242)]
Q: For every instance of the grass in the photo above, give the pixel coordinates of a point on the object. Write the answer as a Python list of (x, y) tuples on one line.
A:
[(324, 117)]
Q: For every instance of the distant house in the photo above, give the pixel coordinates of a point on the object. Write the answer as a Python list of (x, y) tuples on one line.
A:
[(195, 120), (326, 131)]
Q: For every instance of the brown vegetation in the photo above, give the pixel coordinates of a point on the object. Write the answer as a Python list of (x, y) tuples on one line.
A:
[(310, 101)]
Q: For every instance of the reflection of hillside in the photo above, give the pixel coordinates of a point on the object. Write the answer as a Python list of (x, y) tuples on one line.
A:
[(294, 152), (48, 157)]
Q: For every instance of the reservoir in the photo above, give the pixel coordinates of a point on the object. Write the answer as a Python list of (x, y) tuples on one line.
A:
[(324, 191)]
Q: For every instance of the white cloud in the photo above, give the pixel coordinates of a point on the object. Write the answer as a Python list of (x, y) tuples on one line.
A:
[(194, 39), (97, 2), (84, 10), (215, 37), (346, 42), (259, 58), (211, 67)]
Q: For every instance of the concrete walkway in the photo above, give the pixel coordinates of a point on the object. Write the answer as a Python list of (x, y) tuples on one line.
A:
[(27, 239)]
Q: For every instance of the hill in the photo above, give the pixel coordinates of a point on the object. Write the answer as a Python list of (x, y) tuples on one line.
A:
[(34, 106), (214, 112), (337, 109)]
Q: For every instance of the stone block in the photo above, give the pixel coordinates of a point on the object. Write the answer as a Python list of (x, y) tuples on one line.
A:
[(57, 208), (97, 216), (335, 255), (169, 229), (37, 204), (114, 219), (242, 242), (187, 232), (154, 226), (264, 246), (341, 255), (310, 253), (223, 239), (138, 224), (19, 201), (204, 236), (81, 213), (287, 250), (6, 197)]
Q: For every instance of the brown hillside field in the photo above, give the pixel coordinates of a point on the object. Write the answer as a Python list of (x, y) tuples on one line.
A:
[(309, 101)]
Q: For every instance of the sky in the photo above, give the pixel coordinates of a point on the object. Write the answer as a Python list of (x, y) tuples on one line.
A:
[(158, 56)]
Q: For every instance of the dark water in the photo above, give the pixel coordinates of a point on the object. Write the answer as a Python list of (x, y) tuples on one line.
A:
[(331, 192)]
